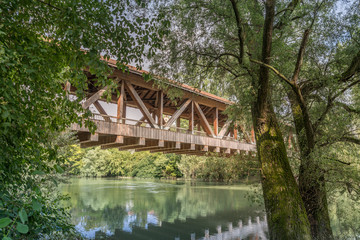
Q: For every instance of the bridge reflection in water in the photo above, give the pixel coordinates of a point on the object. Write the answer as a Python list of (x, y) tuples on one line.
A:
[(244, 231), (252, 230)]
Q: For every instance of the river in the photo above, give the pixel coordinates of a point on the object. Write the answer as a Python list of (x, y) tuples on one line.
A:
[(158, 209)]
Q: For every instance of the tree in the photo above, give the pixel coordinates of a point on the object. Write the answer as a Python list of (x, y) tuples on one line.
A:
[(44, 44), (286, 213), (223, 45)]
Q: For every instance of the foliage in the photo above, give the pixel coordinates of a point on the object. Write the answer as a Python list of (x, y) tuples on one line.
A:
[(111, 163), (43, 44), (315, 57)]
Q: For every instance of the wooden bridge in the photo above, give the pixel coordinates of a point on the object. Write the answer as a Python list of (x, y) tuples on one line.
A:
[(145, 118)]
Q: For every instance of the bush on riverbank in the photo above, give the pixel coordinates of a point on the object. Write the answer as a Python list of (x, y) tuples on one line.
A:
[(95, 162)]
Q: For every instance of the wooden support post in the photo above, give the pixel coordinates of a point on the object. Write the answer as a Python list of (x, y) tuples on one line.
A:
[(235, 132), (178, 124), (140, 105), (203, 120), (191, 118), (120, 104), (177, 114), (124, 113), (160, 106), (216, 121), (93, 98), (217, 149), (198, 126), (252, 134)]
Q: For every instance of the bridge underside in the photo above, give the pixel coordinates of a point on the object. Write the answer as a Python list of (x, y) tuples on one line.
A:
[(126, 137)]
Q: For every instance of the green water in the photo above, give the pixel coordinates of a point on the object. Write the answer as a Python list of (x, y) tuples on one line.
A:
[(150, 209)]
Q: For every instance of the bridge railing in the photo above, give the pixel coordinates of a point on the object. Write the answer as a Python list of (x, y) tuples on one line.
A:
[(129, 121)]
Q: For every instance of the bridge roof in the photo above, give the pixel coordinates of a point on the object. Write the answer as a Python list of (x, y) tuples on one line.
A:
[(182, 86)]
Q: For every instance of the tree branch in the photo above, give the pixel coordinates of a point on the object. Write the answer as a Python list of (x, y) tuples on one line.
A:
[(350, 139), (337, 160), (330, 103), (347, 108), (287, 12), (353, 68), (240, 31), (300, 55), (274, 70), (50, 5)]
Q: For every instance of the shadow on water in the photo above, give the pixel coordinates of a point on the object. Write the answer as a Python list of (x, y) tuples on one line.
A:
[(149, 209)]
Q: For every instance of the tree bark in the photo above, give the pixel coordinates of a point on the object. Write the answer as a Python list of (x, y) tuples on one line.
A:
[(285, 210), (311, 178)]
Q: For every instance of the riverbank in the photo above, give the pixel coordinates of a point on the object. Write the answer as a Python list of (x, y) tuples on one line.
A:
[(95, 162)]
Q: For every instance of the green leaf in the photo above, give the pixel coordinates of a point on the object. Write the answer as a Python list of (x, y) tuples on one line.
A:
[(22, 228), (4, 222), (6, 238), (23, 215), (37, 172), (58, 169), (36, 205)]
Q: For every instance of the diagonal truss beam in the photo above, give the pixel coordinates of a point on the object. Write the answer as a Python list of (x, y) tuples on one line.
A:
[(140, 104), (102, 111), (203, 120), (225, 128), (96, 96), (177, 114)]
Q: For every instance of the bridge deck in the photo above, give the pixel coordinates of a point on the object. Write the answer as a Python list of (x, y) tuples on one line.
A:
[(125, 136)]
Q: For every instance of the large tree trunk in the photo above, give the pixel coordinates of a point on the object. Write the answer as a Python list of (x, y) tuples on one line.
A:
[(285, 210), (311, 178)]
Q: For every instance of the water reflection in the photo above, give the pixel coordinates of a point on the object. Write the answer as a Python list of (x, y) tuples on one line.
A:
[(145, 209)]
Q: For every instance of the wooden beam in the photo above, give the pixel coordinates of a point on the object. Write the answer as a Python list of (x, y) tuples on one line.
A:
[(177, 114), (96, 96), (252, 134), (120, 104), (118, 140), (203, 120), (160, 106), (216, 121), (235, 132), (140, 105), (101, 111), (139, 142), (144, 92), (92, 138), (191, 118), (224, 129)]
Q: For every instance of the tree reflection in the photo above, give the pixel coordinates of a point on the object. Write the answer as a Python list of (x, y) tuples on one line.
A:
[(115, 207)]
